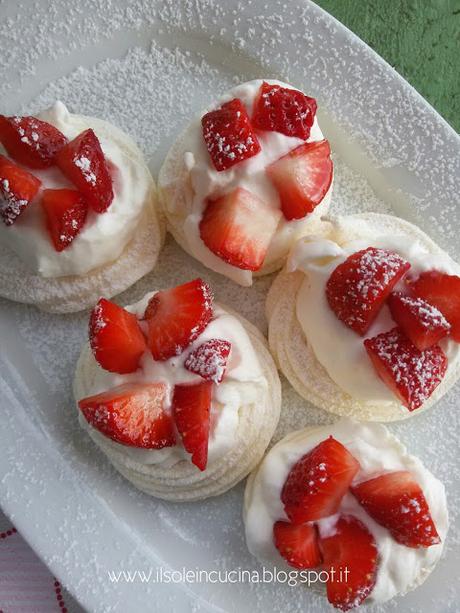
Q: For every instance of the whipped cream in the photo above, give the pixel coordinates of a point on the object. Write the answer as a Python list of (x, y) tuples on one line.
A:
[(244, 384), (338, 348), (399, 568), (104, 236), (204, 181)]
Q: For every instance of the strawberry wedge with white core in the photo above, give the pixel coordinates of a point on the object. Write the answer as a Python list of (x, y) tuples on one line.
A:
[(131, 414), (358, 288), (396, 501), (175, 317), (17, 190), (421, 322), (412, 375), (238, 228), (302, 178), (318, 481)]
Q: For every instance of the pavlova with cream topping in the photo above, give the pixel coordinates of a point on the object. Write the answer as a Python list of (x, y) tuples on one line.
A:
[(75, 197), (247, 178), (365, 320), (180, 394), (347, 497)]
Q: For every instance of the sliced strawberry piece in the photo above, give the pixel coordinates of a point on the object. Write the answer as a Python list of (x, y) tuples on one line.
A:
[(420, 321), (297, 544), (395, 500), (209, 360), (65, 211), (191, 405), (442, 291), (229, 135), (357, 288), (131, 414), (412, 375), (31, 141), (176, 317), (302, 178), (238, 228), (17, 190), (284, 110), (115, 337), (318, 481), (82, 161), (350, 548)]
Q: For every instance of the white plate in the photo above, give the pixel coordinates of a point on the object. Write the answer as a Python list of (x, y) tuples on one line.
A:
[(392, 151)]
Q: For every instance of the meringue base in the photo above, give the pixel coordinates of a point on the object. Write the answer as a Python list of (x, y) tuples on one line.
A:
[(183, 481), (295, 357)]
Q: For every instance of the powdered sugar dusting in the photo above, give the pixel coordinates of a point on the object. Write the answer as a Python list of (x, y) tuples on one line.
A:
[(151, 89)]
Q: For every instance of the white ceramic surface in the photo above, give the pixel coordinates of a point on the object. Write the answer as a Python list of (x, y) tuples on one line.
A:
[(148, 67)]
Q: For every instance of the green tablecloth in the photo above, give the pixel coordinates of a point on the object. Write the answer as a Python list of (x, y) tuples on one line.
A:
[(419, 38)]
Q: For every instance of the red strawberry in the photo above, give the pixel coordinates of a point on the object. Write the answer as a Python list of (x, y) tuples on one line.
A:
[(228, 135), (350, 557), (82, 161), (412, 375), (442, 291), (318, 481), (284, 110), (17, 189), (176, 317), (357, 288), (115, 337), (297, 544), (191, 404), (302, 178), (396, 501), (31, 141), (238, 228), (131, 414), (209, 360), (65, 211), (420, 321)]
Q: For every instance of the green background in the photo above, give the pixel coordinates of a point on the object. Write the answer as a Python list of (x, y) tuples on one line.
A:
[(419, 38)]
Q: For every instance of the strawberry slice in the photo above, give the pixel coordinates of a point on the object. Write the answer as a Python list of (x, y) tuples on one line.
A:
[(238, 228), (229, 135), (357, 288), (443, 292), (317, 483), (31, 141), (209, 360), (17, 190), (420, 321), (350, 548), (395, 500), (302, 178), (82, 161), (65, 211), (131, 414), (284, 110), (297, 544), (176, 317), (412, 375), (115, 337), (191, 405)]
